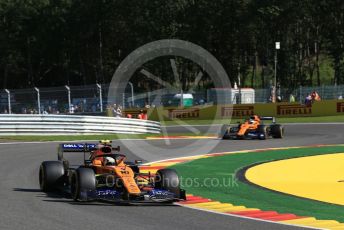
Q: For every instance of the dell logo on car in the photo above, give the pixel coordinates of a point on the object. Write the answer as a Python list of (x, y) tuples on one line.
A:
[(70, 146)]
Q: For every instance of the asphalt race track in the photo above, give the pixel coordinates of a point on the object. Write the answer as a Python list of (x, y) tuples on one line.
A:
[(24, 206)]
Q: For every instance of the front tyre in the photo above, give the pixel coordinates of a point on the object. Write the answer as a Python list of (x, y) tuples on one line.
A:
[(83, 181), (167, 179), (51, 175), (263, 132)]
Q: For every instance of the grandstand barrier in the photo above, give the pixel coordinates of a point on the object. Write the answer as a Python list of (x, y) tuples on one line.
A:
[(22, 124)]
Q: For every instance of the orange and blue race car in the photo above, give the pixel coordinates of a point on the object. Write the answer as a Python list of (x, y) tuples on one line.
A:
[(253, 128), (105, 175)]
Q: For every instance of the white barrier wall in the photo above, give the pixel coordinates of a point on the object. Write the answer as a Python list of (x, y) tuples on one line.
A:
[(23, 124)]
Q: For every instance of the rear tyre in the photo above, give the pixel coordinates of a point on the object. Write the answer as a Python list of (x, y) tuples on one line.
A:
[(277, 131), (263, 132), (83, 180), (167, 179), (51, 175)]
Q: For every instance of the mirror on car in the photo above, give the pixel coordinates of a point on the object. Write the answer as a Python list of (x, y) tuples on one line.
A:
[(138, 162), (118, 148)]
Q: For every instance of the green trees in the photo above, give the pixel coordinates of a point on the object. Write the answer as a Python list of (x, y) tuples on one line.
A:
[(48, 43)]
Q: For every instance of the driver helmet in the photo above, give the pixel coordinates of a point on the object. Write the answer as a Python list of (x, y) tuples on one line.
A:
[(251, 121), (109, 161)]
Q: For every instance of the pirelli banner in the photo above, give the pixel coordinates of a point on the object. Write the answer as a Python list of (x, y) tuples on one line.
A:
[(192, 113), (320, 108), (203, 113)]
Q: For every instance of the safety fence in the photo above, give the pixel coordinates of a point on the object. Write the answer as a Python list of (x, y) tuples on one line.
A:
[(54, 100), (20, 124), (326, 92), (92, 99)]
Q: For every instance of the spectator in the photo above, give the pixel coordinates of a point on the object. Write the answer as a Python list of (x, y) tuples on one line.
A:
[(72, 109), (119, 111), (142, 115), (114, 110), (315, 96), (308, 100), (291, 98), (76, 109)]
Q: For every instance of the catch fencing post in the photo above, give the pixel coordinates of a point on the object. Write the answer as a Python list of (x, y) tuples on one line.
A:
[(69, 100), (100, 97), (239, 84), (277, 47), (38, 100), (8, 100)]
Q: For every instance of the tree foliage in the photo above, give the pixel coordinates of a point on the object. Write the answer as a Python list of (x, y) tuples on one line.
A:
[(50, 43)]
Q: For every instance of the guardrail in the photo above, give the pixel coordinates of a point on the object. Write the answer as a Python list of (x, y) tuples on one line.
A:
[(23, 124)]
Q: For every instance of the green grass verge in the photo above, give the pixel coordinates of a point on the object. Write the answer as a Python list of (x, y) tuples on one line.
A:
[(222, 167), (279, 120)]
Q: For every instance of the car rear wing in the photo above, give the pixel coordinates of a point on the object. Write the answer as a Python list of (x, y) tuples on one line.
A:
[(74, 147), (77, 147), (82, 148), (273, 119)]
